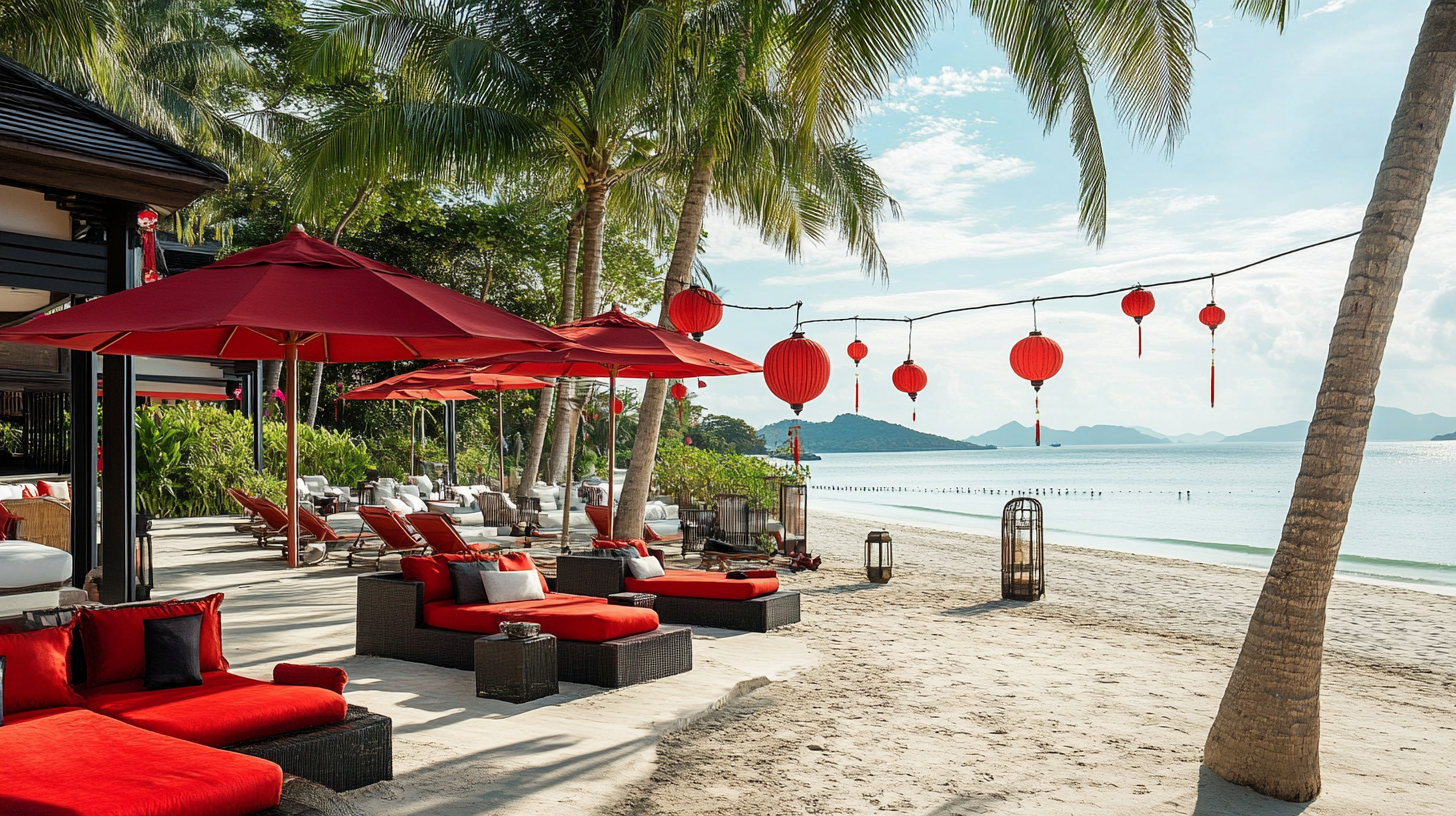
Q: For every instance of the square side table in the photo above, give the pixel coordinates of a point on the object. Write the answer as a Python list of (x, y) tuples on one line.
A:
[(517, 671)]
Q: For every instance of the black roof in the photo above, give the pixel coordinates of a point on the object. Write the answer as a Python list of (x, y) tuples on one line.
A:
[(38, 111)]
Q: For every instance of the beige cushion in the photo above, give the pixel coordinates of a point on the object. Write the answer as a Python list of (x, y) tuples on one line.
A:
[(518, 585)]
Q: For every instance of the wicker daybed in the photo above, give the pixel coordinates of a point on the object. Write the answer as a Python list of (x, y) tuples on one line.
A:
[(603, 576), (391, 623)]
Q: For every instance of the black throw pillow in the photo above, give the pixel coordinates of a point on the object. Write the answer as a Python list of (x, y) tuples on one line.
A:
[(465, 578), (173, 648)]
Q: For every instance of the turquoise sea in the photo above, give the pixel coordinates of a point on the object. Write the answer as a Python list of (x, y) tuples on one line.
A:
[(1218, 504)]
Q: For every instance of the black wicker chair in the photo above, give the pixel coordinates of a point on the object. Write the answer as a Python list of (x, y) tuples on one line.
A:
[(600, 577), (391, 623)]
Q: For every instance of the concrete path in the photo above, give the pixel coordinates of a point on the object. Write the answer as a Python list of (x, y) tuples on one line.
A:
[(456, 754)]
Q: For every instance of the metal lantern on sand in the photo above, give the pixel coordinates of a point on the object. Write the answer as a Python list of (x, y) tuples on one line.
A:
[(1023, 570), (264, 304), (879, 556)]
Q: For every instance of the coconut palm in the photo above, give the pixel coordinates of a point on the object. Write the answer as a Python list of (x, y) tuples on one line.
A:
[(1267, 731), (744, 148), (163, 64)]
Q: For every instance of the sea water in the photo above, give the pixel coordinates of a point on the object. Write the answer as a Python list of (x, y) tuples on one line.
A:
[(1221, 503)]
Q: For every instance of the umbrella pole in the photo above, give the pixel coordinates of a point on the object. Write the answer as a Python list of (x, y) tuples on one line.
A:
[(290, 414), (612, 457), (500, 430), (570, 468)]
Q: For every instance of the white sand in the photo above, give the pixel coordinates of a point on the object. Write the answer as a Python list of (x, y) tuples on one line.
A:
[(935, 697)]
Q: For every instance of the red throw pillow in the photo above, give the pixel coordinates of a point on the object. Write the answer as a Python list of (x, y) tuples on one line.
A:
[(519, 562), (621, 544), (60, 490), (38, 669), (28, 492), (114, 640), (8, 523), (332, 678)]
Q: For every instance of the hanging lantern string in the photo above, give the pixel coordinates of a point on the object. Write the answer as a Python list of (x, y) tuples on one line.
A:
[(796, 304), (910, 340), (1032, 300)]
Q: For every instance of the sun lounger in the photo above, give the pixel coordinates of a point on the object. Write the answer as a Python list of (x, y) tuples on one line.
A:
[(439, 532), (395, 537), (692, 597)]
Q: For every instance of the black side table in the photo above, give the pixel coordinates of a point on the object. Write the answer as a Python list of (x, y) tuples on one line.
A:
[(517, 671), (642, 599)]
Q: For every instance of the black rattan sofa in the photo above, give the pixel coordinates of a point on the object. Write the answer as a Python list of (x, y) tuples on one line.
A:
[(603, 576), (390, 623)]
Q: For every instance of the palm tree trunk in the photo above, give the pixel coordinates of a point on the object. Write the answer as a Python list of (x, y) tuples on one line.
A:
[(566, 389), (1266, 735), (313, 397), (633, 504), (594, 230), (532, 467)]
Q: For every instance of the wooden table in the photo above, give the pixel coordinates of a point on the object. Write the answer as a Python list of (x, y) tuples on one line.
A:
[(722, 561)]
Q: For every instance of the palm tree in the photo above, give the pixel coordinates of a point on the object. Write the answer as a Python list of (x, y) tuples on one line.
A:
[(1267, 732), (165, 65)]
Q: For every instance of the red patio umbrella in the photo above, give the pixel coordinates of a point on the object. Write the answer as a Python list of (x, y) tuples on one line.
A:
[(297, 299), (614, 344), (448, 375), (387, 390)]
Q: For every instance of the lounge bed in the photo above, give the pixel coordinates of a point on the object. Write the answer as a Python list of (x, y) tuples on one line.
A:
[(691, 597), (412, 615), (221, 747)]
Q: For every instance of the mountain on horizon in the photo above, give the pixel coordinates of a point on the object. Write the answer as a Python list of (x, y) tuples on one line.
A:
[(1016, 435), (1183, 438), (1386, 425), (852, 433)]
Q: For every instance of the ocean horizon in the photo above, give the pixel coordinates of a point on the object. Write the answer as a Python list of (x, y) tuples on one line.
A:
[(1218, 504)]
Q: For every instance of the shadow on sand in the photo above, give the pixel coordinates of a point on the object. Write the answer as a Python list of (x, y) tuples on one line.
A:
[(1219, 797)]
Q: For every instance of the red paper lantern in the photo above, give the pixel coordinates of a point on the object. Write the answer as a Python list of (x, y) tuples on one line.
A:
[(147, 226), (857, 351), (796, 370), (911, 379), (695, 310), (1036, 358), (1137, 305), (679, 393), (1212, 317)]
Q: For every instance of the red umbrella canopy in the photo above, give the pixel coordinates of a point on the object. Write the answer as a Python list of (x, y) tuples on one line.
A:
[(337, 306), (634, 348), (460, 376), (381, 391)]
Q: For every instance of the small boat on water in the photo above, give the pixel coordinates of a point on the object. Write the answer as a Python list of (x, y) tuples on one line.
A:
[(1056, 444)]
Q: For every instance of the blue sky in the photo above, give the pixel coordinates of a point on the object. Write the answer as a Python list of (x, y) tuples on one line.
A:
[(1286, 136)]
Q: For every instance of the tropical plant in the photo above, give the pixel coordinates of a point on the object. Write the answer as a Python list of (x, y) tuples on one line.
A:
[(696, 476), (1267, 732)]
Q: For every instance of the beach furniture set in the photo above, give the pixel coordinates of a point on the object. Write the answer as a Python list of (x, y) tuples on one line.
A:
[(133, 710)]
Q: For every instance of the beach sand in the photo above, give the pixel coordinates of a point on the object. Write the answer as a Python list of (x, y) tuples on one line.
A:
[(933, 696)]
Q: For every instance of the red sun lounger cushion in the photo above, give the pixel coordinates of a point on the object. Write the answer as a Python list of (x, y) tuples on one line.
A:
[(114, 640), (699, 584), (37, 671), (569, 617), (225, 709), (78, 763)]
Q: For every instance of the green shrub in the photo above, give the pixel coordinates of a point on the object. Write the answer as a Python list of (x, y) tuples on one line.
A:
[(697, 475)]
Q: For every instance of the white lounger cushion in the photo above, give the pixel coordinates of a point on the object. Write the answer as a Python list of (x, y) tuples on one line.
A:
[(26, 563)]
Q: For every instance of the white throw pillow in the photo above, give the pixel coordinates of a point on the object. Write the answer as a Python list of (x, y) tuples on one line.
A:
[(645, 568), (415, 503), (519, 585), (395, 505)]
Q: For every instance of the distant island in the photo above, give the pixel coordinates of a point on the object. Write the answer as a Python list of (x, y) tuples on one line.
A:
[(1016, 435), (1386, 425), (852, 433)]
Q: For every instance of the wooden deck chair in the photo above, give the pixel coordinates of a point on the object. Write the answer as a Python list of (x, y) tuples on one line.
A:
[(394, 536), (267, 526), (438, 530), (249, 521), (316, 526), (276, 521), (600, 516)]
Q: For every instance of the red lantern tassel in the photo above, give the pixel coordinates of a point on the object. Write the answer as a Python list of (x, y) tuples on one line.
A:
[(1211, 352), (1140, 340), (856, 391), (1038, 419)]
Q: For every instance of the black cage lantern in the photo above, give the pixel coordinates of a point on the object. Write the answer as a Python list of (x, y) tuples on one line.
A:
[(879, 556), (794, 513), (1023, 570)]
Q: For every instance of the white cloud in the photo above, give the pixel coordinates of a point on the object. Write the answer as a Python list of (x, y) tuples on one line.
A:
[(941, 166), (951, 83), (1330, 7)]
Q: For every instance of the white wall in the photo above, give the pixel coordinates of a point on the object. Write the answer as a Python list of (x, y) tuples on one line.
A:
[(26, 211)]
